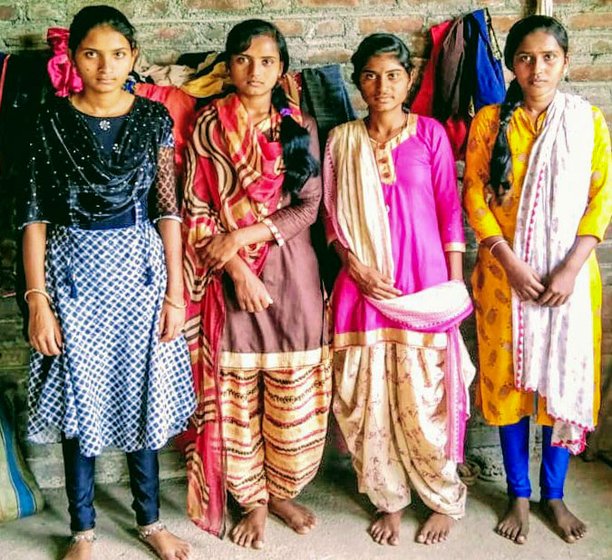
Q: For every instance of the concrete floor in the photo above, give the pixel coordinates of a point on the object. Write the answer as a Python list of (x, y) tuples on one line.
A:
[(341, 532)]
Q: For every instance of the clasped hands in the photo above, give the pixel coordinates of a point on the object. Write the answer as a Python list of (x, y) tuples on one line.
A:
[(529, 286)]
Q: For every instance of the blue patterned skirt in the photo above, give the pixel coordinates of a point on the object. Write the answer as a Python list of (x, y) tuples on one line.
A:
[(115, 384)]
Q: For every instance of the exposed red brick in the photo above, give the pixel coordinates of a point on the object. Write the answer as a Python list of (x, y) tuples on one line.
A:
[(325, 3), (219, 4), (406, 24), (7, 13), (290, 27), (327, 56), (591, 73), (591, 20), (329, 28), (503, 23)]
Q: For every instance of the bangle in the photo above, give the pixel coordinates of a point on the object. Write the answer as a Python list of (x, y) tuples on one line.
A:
[(173, 303), (493, 245), (37, 291)]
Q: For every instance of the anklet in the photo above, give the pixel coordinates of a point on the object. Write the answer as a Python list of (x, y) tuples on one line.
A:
[(89, 537), (145, 532)]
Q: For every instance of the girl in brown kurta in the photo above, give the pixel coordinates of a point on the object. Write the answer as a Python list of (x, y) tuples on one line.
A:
[(255, 316)]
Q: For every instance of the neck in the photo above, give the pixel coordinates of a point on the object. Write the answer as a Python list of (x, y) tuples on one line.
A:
[(258, 107), (102, 104), (535, 106), (383, 125)]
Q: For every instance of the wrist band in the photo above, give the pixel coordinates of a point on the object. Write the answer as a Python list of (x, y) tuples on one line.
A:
[(493, 245), (37, 291), (173, 303)]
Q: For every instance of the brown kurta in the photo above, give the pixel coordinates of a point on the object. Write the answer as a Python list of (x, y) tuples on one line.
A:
[(294, 322)]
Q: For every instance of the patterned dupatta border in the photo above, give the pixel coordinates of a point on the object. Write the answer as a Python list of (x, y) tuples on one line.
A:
[(360, 222)]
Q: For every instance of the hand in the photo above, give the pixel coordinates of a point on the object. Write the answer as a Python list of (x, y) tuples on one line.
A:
[(251, 292), (44, 331), (220, 249), (525, 281), (171, 322), (371, 282), (560, 287)]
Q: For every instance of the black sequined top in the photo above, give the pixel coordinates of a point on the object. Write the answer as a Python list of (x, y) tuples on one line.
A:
[(74, 181)]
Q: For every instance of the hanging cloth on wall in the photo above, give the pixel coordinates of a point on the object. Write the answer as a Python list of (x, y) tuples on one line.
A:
[(544, 8)]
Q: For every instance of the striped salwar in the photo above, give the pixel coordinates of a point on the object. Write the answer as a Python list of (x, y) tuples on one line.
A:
[(274, 423)]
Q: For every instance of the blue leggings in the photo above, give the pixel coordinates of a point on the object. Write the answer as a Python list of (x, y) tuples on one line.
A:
[(515, 449), (143, 468)]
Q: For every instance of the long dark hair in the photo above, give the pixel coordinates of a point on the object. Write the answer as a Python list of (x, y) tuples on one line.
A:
[(295, 139), (375, 45), (93, 16), (501, 158)]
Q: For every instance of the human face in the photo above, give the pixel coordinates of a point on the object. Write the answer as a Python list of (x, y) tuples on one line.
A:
[(539, 64), (384, 83), (104, 60), (257, 70)]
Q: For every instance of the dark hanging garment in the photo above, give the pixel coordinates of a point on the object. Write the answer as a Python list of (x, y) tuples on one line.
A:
[(485, 74)]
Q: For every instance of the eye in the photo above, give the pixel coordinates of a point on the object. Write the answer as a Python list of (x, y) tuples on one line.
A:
[(368, 76), (524, 58), (89, 54), (239, 59), (267, 61), (393, 76), (550, 57), (120, 54)]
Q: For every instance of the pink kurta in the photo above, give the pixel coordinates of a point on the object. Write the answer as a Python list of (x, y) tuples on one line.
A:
[(419, 184)]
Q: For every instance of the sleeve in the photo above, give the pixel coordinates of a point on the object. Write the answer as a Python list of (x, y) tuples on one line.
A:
[(35, 202), (329, 192), (476, 190), (599, 208), (302, 212), (166, 193), (445, 190)]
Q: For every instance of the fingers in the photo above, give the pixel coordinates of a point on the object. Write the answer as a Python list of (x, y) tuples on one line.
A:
[(46, 344), (255, 304), (170, 325)]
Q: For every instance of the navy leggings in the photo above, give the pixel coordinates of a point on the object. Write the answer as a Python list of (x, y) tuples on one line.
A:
[(515, 449), (143, 467)]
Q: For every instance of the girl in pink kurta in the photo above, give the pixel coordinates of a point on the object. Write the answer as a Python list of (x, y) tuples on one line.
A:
[(393, 215)]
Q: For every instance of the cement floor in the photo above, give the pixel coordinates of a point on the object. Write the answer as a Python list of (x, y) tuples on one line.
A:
[(341, 532)]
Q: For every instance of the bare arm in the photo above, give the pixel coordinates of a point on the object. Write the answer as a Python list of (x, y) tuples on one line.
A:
[(43, 327), (454, 262), (173, 314)]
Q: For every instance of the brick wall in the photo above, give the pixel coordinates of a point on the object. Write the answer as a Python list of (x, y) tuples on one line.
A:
[(318, 32)]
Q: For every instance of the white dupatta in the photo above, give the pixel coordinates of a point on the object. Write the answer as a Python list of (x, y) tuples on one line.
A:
[(553, 346)]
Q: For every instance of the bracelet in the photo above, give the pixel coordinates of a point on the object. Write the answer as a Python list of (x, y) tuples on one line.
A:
[(37, 291), (493, 245), (173, 303)]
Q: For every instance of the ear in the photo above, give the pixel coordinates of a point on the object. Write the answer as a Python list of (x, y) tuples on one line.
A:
[(135, 54)]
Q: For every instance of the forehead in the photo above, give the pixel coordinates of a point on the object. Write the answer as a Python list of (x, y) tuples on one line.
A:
[(380, 63), (262, 46), (539, 41), (104, 37)]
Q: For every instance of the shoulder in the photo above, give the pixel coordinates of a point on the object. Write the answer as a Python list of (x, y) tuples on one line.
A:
[(309, 122), (488, 114), (345, 128), (151, 109)]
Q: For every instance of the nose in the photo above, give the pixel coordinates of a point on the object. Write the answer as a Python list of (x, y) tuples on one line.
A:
[(382, 84), (255, 68), (538, 66), (104, 63)]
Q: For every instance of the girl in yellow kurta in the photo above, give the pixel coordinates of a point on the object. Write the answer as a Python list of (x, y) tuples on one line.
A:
[(501, 163)]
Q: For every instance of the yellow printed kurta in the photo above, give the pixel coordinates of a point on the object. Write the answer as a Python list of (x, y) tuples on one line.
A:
[(501, 402)]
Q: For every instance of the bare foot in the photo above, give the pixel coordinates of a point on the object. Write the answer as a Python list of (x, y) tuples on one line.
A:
[(80, 549), (295, 516), (568, 525), (385, 528), (167, 545), (435, 529), (250, 529), (515, 524)]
